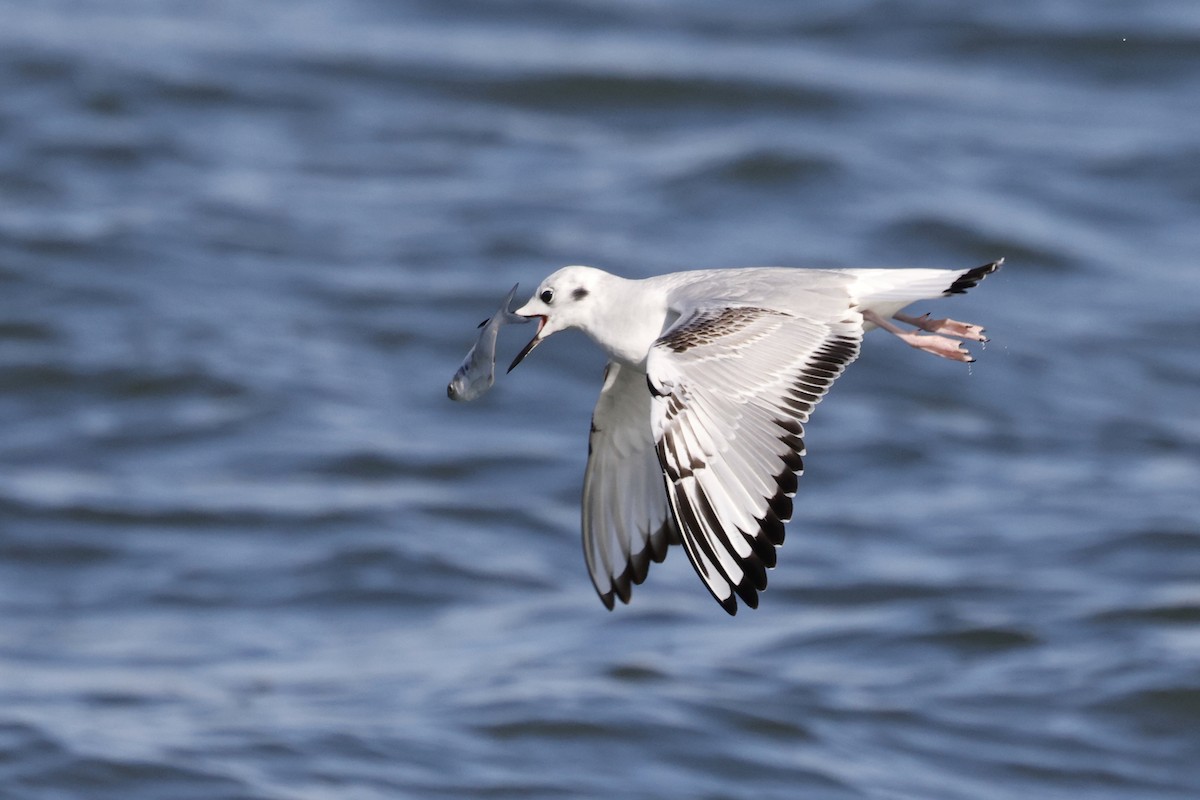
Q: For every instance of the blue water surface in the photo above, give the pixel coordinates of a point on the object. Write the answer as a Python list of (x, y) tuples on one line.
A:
[(248, 549)]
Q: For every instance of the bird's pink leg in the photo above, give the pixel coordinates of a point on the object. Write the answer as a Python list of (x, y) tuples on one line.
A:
[(936, 344), (948, 327)]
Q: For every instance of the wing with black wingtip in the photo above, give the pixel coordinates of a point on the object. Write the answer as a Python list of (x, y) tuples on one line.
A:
[(732, 387), (626, 521)]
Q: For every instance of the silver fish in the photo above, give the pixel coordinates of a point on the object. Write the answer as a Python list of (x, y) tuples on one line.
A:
[(478, 370)]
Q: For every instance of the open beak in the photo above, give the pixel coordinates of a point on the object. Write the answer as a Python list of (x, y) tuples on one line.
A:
[(534, 342)]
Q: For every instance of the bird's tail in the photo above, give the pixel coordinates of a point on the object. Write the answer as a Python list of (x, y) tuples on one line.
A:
[(970, 277), (899, 287)]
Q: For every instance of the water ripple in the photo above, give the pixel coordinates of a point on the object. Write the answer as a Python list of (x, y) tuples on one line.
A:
[(249, 550)]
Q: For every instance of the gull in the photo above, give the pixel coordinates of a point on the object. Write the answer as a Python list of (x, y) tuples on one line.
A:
[(698, 434)]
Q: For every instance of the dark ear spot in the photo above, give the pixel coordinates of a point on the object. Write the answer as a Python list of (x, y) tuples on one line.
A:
[(579, 294)]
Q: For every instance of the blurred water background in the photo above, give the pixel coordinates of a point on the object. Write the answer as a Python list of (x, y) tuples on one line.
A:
[(248, 549)]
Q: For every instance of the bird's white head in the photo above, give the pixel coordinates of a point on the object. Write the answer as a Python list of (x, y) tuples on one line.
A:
[(570, 298)]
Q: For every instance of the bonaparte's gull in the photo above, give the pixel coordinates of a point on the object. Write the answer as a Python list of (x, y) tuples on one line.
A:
[(698, 435), (478, 370)]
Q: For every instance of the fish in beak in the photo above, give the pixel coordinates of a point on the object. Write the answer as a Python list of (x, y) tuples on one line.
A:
[(477, 372)]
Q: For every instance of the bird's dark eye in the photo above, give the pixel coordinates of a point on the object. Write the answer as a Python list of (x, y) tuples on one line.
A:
[(547, 295)]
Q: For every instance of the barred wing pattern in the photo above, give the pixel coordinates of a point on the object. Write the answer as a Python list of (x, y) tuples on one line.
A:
[(731, 388), (626, 522)]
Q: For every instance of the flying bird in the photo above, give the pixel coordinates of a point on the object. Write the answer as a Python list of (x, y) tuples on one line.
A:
[(698, 435)]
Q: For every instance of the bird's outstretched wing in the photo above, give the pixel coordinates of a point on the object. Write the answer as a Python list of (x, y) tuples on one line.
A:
[(731, 387), (626, 521)]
